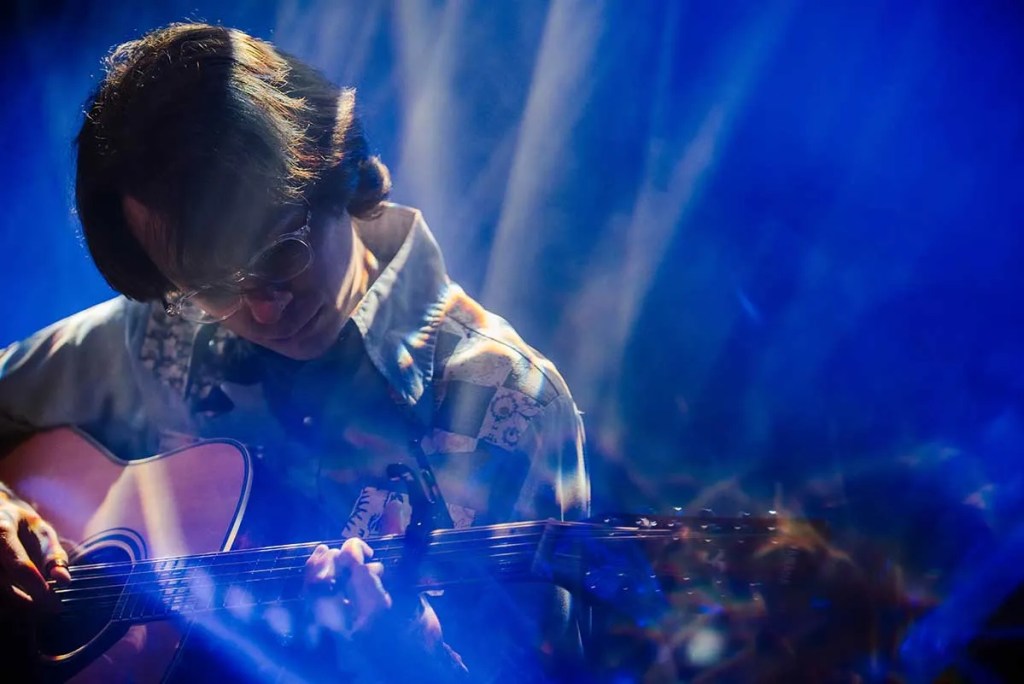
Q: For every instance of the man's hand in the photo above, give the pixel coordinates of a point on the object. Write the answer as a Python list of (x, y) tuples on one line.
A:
[(30, 552), (350, 598)]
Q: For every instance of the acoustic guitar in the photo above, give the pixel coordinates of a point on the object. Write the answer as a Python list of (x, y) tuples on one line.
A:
[(151, 544)]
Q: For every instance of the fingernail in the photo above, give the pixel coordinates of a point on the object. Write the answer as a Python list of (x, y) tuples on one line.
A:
[(60, 575)]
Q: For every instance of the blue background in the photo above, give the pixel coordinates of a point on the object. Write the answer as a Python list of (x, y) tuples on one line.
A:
[(774, 246)]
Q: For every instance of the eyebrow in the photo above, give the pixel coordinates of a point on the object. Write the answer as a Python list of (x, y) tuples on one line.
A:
[(285, 220)]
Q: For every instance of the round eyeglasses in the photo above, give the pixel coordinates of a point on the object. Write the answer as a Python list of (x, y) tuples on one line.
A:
[(279, 262)]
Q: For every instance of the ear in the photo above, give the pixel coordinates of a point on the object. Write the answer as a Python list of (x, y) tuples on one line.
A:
[(147, 227)]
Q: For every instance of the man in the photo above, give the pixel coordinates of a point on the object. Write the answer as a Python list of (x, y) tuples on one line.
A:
[(273, 296)]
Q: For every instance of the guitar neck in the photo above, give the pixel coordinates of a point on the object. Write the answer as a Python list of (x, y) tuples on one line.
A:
[(598, 558), (155, 589)]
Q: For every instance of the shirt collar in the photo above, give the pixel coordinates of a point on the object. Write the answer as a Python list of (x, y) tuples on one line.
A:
[(399, 315)]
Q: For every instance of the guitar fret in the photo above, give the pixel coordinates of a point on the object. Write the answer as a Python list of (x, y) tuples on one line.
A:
[(273, 587), (208, 588), (122, 599), (248, 585), (151, 595), (156, 603), (147, 598), (290, 583), (178, 590), (268, 573), (185, 574), (188, 578), (163, 572), (221, 577), (132, 609)]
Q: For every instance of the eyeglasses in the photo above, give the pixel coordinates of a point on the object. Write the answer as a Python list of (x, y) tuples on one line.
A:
[(284, 259)]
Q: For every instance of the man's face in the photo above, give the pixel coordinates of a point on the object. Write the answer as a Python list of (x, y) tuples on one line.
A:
[(300, 319)]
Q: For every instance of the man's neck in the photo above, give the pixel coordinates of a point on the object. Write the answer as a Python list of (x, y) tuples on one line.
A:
[(363, 272)]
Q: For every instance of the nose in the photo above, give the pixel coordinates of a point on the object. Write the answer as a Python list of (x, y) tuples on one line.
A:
[(266, 306)]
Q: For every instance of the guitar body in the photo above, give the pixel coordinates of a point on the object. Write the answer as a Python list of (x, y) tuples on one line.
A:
[(188, 501)]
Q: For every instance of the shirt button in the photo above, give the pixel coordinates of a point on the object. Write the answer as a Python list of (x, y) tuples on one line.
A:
[(308, 421)]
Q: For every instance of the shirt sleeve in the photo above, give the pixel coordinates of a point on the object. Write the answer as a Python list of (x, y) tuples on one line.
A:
[(531, 630), (556, 484), (76, 372)]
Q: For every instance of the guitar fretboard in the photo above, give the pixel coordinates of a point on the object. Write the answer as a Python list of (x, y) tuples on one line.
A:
[(156, 589), (564, 553)]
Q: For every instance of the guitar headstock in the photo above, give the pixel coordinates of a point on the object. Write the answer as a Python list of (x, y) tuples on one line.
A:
[(768, 598)]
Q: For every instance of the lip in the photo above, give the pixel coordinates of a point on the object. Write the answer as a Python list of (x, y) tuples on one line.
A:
[(306, 327)]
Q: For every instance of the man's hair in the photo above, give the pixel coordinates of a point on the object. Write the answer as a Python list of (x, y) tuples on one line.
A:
[(208, 128)]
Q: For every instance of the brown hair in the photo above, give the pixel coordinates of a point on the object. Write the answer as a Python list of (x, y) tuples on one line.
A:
[(208, 127)]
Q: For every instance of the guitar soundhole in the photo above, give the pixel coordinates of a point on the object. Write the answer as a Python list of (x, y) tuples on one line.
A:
[(87, 604)]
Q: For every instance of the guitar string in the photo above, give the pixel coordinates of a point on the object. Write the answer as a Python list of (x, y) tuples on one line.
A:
[(243, 568), (182, 600), (302, 547), (187, 601), (159, 577), (488, 532), (240, 571), (248, 558), (383, 547), (165, 605), (511, 564), (506, 564), (386, 539)]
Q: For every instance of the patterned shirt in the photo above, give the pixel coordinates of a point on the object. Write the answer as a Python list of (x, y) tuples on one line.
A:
[(420, 362), (419, 365)]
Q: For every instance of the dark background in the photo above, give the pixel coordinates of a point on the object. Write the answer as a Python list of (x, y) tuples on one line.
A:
[(773, 246)]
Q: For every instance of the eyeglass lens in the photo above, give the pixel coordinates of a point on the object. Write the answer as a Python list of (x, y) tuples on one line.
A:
[(277, 264), (282, 261)]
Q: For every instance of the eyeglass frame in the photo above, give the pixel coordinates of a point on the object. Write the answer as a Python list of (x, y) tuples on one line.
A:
[(174, 302)]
